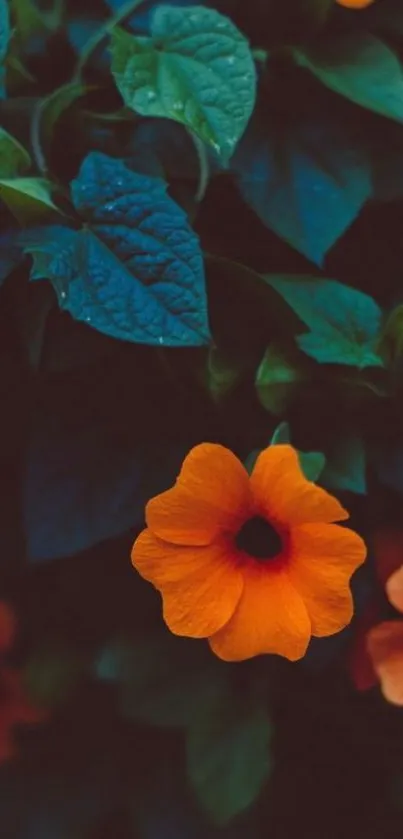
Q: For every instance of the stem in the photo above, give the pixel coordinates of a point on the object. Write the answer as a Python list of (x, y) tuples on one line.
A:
[(204, 171), (35, 132), (102, 33)]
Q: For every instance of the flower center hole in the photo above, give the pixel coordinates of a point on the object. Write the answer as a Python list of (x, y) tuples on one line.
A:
[(258, 538)]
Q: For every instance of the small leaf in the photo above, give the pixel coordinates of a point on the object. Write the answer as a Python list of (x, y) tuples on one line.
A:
[(137, 274), (14, 159), (282, 434), (346, 467), (362, 68), (312, 463), (29, 199), (196, 68), (276, 380), (10, 253), (228, 755), (164, 680), (391, 340), (345, 323)]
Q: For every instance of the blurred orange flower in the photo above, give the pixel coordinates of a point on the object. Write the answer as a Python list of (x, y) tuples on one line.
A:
[(385, 644), (254, 564), (15, 708), (355, 4)]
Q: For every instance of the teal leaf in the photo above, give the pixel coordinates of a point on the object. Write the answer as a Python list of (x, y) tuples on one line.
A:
[(282, 434), (137, 273), (312, 464), (196, 68), (362, 68), (306, 178), (346, 467), (4, 29), (163, 680), (345, 323), (228, 754)]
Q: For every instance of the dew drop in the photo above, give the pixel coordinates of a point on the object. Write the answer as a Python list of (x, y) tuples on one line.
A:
[(88, 319), (230, 59), (160, 340), (63, 295), (109, 208), (151, 96)]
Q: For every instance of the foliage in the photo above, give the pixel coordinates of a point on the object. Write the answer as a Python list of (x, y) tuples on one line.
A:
[(200, 209)]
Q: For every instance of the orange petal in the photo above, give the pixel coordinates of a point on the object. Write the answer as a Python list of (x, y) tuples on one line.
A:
[(322, 559), (394, 589), (385, 645), (270, 618), (7, 626), (283, 493), (200, 586), (212, 494)]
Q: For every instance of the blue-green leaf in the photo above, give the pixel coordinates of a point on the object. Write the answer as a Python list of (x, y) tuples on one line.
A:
[(362, 68), (312, 463), (196, 68), (306, 178), (137, 273), (344, 322), (228, 754)]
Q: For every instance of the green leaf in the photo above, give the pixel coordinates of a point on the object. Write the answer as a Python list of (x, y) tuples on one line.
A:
[(29, 199), (228, 754), (276, 379), (362, 68), (222, 372), (30, 20), (14, 159), (346, 467), (344, 322), (164, 680), (56, 103), (196, 68)]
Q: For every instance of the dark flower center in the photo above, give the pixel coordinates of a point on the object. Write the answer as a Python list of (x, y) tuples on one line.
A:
[(258, 538)]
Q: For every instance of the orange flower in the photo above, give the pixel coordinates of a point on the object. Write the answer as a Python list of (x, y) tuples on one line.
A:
[(15, 708), (385, 645), (354, 4), (254, 564)]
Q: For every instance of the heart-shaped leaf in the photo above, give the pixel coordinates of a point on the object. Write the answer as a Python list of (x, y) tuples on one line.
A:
[(196, 68), (344, 322), (137, 274)]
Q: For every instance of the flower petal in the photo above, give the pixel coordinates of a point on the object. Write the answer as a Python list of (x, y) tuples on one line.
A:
[(285, 495), (385, 645), (394, 589), (200, 586), (322, 559), (211, 495), (270, 618)]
